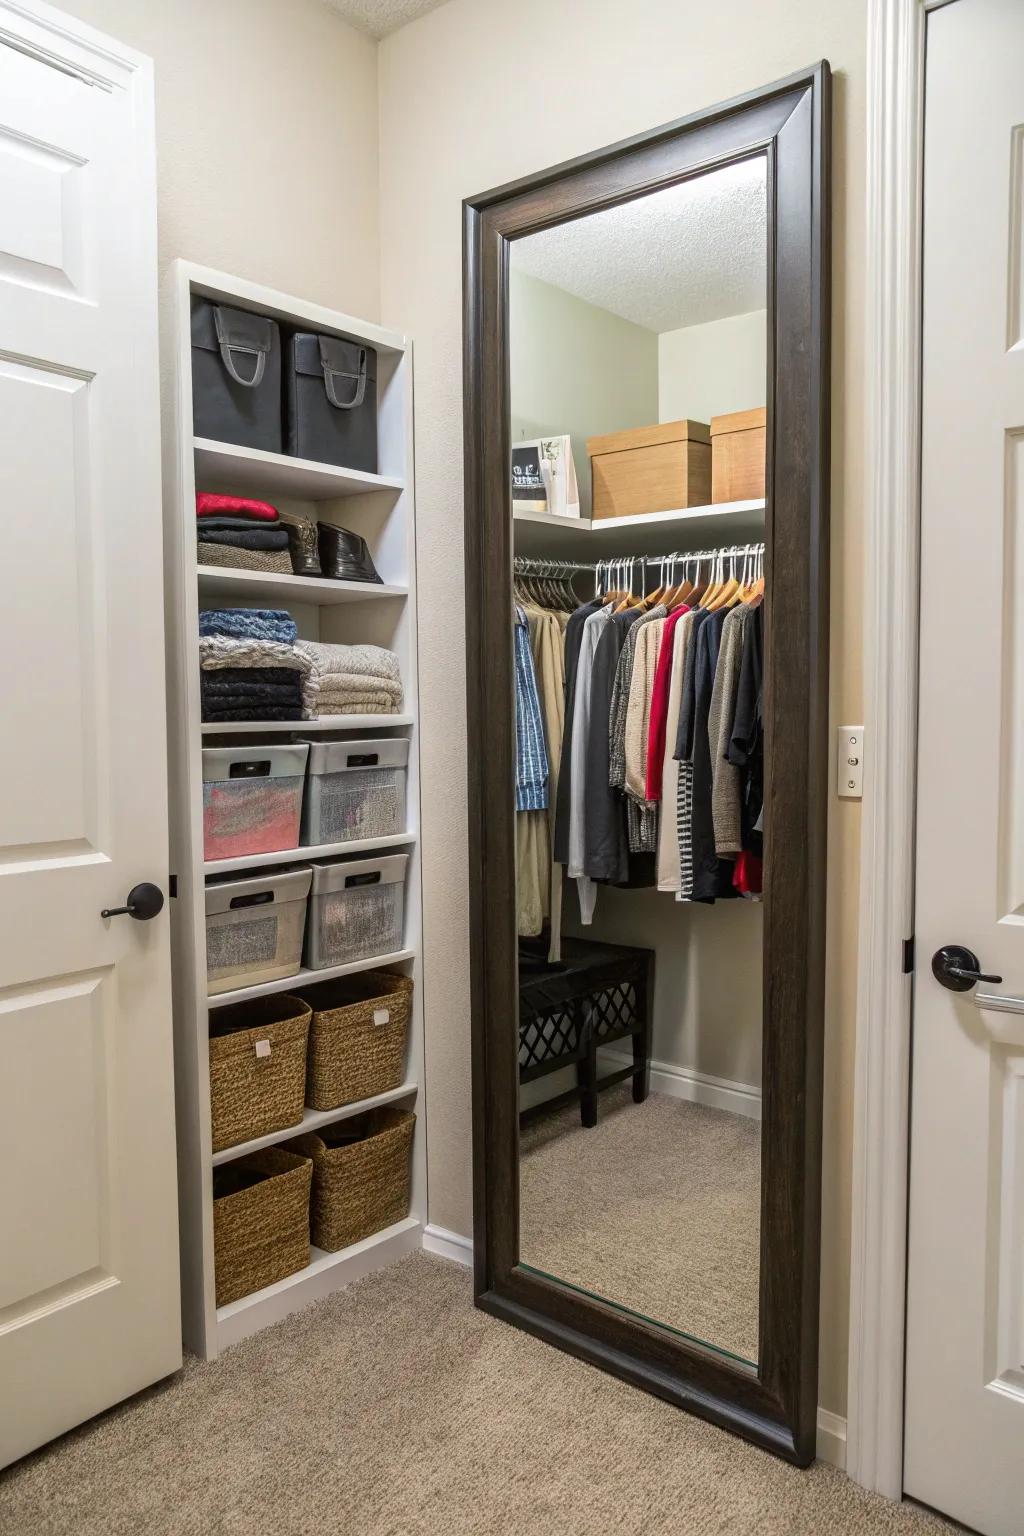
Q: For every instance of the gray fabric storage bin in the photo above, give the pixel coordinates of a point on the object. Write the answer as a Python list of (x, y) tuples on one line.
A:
[(332, 401), (356, 910), (252, 799), (254, 928), (355, 789), (236, 376)]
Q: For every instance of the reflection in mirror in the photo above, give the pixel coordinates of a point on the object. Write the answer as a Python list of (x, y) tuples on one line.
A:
[(638, 392)]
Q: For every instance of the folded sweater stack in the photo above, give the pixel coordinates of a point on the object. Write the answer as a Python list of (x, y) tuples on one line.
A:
[(240, 532), (251, 667), (352, 679)]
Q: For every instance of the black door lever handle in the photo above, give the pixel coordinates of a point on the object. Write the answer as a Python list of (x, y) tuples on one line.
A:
[(144, 902), (957, 968)]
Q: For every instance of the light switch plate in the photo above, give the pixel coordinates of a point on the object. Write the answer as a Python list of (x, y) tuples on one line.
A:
[(850, 762)]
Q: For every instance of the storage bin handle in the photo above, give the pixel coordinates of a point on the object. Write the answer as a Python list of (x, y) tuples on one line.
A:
[(250, 347), (330, 374)]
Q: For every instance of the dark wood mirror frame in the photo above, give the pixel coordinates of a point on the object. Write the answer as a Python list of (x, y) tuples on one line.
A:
[(775, 1403)]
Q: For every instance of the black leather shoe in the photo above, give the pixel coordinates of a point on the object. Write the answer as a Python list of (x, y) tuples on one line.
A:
[(344, 556)]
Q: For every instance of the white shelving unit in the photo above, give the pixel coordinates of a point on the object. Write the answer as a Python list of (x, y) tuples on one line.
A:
[(381, 508), (545, 535)]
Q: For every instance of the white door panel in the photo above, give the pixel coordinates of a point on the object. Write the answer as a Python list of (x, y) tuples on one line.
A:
[(89, 1294), (965, 1323)]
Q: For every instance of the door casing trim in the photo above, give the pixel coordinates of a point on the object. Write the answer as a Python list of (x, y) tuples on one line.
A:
[(878, 1271)]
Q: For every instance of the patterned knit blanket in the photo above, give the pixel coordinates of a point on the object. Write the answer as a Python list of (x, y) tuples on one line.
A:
[(343, 660), (249, 624), (219, 651)]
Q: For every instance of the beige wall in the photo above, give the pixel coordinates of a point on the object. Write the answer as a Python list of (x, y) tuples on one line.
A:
[(711, 369), (456, 118), (576, 368), (266, 117)]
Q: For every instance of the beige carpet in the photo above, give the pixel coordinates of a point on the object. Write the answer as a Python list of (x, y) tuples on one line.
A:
[(395, 1408), (657, 1207)]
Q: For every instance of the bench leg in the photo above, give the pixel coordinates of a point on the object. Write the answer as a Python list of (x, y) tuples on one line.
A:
[(586, 1077)]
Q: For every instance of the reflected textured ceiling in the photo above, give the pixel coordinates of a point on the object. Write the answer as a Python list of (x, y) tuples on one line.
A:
[(378, 17), (692, 253)]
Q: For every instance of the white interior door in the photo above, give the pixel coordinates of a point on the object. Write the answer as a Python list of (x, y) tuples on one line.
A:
[(965, 1320), (89, 1289)]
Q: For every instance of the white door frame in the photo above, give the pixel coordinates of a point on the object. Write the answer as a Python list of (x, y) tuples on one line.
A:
[(895, 136)]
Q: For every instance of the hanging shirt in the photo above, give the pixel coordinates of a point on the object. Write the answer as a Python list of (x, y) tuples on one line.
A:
[(606, 855), (531, 750), (668, 828), (585, 887), (657, 728), (684, 755), (746, 745), (725, 776), (563, 796), (712, 876)]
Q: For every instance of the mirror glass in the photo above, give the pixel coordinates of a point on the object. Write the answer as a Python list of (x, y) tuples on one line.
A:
[(638, 388)]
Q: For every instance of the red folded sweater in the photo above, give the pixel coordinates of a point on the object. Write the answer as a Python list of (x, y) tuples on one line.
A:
[(209, 505)]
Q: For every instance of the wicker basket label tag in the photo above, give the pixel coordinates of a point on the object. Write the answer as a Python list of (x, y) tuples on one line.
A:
[(381, 1015), (262, 1047)]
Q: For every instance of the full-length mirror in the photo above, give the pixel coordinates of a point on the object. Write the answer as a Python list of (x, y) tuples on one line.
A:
[(646, 532), (638, 390)]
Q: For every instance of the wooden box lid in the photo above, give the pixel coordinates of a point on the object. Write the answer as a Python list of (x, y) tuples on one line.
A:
[(739, 421), (649, 437)]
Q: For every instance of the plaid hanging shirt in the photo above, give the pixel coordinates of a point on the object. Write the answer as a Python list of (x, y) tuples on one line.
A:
[(531, 748)]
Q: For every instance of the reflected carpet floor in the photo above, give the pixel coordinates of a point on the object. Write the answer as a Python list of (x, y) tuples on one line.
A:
[(657, 1207), (396, 1409)]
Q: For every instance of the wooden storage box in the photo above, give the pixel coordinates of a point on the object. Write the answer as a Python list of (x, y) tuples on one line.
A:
[(738, 456), (651, 469)]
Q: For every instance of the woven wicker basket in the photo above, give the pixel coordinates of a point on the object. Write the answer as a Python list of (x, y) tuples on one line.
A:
[(362, 1170), (351, 1055), (260, 1221), (254, 1091)]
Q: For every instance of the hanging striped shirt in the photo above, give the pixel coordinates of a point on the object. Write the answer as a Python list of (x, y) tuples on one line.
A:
[(531, 748)]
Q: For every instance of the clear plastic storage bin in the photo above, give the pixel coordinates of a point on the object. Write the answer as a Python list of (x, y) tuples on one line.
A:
[(356, 789), (252, 799), (254, 928), (357, 910)]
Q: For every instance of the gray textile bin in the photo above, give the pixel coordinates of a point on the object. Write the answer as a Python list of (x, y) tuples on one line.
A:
[(236, 376), (254, 928), (356, 910), (331, 387), (252, 799), (355, 789)]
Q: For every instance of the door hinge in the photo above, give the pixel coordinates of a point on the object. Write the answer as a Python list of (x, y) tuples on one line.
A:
[(908, 955), (172, 884)]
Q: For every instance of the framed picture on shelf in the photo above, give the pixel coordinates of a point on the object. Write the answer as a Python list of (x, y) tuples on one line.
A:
[(544, 477)]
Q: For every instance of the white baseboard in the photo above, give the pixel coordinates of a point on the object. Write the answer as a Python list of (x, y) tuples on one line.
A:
[(698, 1087), (832, 1439), (831, 1428), (448, 1245)]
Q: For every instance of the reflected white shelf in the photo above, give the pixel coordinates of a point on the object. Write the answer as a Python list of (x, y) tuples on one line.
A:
[(254, 472), (306, 978), (236, 585), (310, 851), (325, 1273), (578, 538), (321, 723), (312, 1120)]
